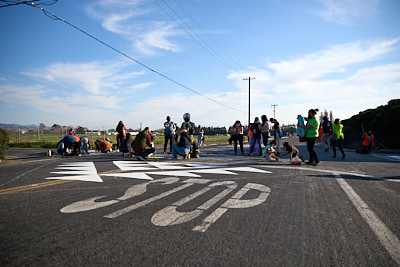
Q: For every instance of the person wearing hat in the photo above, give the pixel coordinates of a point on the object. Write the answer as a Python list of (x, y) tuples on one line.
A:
[(169, 132), (182, 148), (311, 128)]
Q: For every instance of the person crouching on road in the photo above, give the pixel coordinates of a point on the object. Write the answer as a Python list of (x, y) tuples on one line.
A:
[(104, 145), (126, 145), (269, 151), (292, 151), (183, 146), (143, 144)]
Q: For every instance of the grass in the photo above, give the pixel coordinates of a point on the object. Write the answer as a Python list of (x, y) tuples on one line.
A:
[(50, 141)]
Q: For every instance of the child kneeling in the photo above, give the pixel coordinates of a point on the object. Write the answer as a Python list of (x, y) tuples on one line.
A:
[(294, 153), (269, 151)]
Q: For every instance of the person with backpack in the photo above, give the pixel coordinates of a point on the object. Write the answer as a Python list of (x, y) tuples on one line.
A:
[(255, 129), (327, 132)]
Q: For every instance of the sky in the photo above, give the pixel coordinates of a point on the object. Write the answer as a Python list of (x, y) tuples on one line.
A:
[(99, 62)]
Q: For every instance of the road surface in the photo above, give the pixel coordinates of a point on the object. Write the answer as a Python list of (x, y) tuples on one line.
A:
[(217, 210)]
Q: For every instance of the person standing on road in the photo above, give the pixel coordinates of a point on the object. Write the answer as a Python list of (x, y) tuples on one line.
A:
[(255, 129), (368, 141), (265, 128), (237, 135), (200, 134), (276, 128), (169, 132), (121, 133), (338, 132), (327, 132), (311, 128)]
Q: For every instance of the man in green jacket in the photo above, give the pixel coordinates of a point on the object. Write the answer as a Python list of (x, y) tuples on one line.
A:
[(143, 144)]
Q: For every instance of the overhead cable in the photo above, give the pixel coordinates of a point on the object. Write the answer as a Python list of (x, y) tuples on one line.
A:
[(48, 13)]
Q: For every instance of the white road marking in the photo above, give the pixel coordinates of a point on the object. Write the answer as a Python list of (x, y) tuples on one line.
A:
[(132, 166), (79, 171), (188, 183), (366, 176), (382, 232), (170, 216), (392, 158), (132, 175), (395, 157), (173, 169), (235, 203), (91, 203)]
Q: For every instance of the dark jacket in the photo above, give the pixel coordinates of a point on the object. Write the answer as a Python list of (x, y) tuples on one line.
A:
[(184, 142), (142, 141)]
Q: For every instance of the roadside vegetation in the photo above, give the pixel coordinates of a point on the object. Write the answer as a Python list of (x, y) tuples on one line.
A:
[(50, 141), (383, 121)]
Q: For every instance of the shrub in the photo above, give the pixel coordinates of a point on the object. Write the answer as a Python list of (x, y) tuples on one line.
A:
[(3, 143)]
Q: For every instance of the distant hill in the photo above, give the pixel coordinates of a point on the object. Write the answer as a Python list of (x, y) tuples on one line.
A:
[(384, 122), (15, 126)]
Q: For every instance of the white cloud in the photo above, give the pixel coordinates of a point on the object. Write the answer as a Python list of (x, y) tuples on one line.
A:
[(102, 93), (332, 78), (130, 20), (347, 12)]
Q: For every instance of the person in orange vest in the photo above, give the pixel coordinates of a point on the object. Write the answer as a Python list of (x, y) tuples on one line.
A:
[(104, 145), (368, 141), (121, 133)]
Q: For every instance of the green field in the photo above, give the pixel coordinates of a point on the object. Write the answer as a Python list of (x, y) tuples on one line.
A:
[(50, 141)]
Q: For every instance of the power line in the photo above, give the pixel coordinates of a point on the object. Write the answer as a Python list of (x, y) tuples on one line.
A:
[(193, 35), (48, 13), (223, 50), (15, 3)]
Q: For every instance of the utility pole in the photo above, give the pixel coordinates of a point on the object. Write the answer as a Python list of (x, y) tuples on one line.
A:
[(248, 127), (274, 106)]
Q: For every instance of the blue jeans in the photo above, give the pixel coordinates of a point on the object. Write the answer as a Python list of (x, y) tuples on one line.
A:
[(146, 152), (180, 151), (265, 137), (253, 142)]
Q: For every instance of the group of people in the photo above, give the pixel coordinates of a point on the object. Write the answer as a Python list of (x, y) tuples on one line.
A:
[(308, 128), (72, 145), (185, 146), (332, 135), (143, 144), (257, 130)]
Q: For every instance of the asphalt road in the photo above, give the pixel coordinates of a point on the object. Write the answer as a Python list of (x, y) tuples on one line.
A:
[(218, 210)]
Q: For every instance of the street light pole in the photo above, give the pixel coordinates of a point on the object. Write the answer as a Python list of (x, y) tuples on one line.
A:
[(274, 106), (248, 127)]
